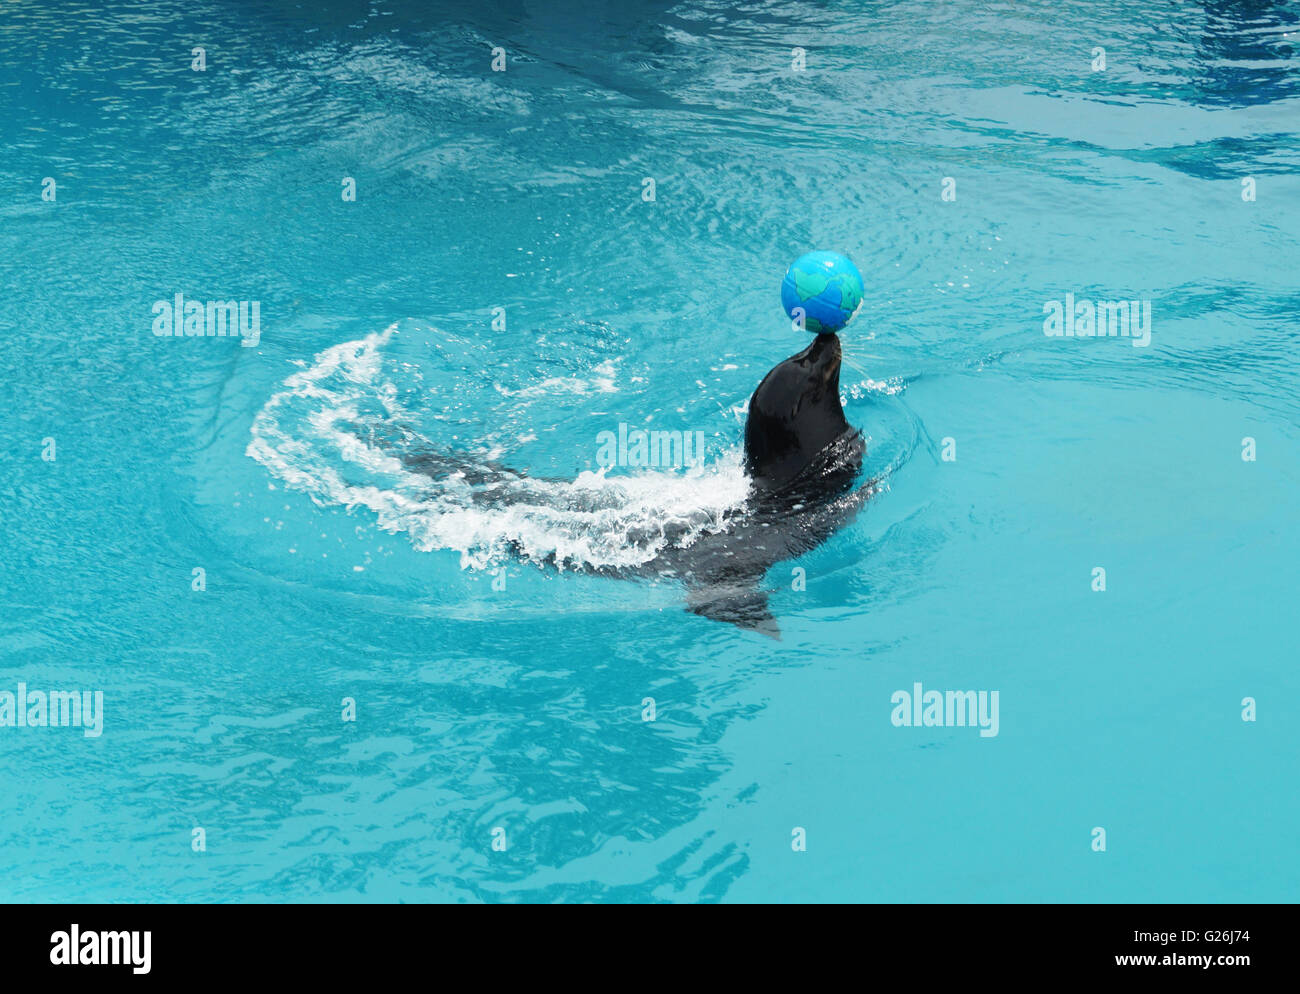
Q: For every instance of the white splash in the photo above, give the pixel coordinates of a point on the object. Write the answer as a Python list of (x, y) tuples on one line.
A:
[(886, 388), (322, 434)]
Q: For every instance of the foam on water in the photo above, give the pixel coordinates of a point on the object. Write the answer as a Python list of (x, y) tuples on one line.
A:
[(329, 434)]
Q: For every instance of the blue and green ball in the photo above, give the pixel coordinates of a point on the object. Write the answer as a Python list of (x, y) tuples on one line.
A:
[(825, 288)]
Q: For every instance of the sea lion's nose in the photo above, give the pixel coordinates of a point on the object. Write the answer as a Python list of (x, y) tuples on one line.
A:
[(825, 345), (826, 354)]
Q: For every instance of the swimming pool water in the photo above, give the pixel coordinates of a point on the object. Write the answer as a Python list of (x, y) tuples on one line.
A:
[(507, 283)]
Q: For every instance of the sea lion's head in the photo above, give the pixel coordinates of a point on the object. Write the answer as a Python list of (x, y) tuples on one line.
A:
[(795, 419)]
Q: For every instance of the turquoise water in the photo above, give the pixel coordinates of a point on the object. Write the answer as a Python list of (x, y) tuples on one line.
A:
[(331, 572)]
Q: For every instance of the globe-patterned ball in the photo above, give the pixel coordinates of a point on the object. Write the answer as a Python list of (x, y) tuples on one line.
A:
[(825, 288)]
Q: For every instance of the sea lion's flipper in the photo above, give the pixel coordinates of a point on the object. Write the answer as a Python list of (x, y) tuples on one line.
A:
[(740, 604)]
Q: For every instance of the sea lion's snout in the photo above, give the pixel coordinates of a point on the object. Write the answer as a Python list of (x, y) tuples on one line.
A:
[(824, 356)]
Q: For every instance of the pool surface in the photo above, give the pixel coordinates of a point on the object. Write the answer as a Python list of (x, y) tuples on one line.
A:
[(328, 677)]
